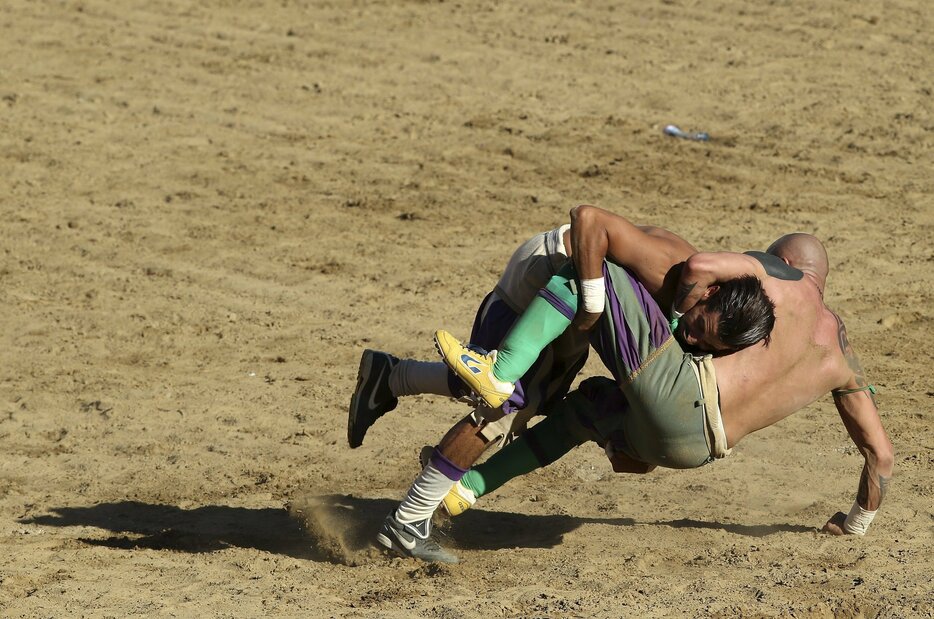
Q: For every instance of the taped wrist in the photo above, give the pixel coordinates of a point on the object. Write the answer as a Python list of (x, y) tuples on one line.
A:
[(858, 520), (593, 292)]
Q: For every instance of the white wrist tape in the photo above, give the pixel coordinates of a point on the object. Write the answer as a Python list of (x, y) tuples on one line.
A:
[(594, 293), (857, 521), (675, 313)]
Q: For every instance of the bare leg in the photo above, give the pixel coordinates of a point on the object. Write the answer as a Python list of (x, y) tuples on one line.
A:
[(464, 444)]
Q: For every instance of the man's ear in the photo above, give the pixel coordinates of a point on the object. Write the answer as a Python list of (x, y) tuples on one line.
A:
[(710, 290)]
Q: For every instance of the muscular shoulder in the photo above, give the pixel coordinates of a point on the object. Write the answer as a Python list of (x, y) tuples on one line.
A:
[(775, 266), (853, 376)]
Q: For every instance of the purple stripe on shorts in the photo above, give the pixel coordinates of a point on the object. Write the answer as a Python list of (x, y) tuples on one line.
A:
[(625, 348), (602, 342), (447, 468), (627, 345), (658, 324), (556, 302)]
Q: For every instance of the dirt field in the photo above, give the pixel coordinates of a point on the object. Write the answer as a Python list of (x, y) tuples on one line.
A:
[(207, 212)]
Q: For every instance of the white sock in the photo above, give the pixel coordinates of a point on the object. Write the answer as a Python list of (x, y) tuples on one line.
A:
[(411, 377), (425, 495)]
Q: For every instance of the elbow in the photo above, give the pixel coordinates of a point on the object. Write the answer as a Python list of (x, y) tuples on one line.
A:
[(582, 213), (697, 266)]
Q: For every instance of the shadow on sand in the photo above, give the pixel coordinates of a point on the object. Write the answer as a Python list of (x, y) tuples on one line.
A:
[(201, 529), (334, 528)]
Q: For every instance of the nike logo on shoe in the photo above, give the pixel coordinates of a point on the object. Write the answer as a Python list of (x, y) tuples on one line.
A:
[(420, 529), (371, 402)]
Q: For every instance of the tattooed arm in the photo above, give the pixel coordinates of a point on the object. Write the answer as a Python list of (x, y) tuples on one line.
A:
[(857, 407), (703, 271)]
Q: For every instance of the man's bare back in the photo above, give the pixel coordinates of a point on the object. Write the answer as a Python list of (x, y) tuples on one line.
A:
[(762, 385), (808, 355)]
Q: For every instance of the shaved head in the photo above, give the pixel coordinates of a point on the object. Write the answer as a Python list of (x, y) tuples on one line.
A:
[(804, 252)]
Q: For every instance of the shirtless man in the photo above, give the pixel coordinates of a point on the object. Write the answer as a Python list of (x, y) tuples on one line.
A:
[(407, 528), (809, 355)]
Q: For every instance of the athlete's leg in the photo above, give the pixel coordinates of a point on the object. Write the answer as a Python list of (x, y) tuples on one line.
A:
[(593, 412), (493, 376), (538, 447), (547, 316), (529, 269), (382, 378)]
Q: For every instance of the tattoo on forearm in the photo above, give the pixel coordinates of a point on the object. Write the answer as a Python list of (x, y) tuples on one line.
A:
[(851, 359), (862, 493), (684, 289)]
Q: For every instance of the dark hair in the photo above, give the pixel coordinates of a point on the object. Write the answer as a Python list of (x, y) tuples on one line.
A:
[(747, 314)]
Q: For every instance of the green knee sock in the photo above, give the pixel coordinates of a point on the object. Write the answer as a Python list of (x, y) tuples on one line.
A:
[(538, 326), (546, 442)]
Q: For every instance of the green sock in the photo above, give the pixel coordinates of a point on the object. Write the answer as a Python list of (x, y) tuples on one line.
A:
[(538, 326), (546, 442)]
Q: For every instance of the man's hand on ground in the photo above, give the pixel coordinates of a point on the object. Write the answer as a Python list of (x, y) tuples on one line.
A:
[(834, 526), (584, 321)]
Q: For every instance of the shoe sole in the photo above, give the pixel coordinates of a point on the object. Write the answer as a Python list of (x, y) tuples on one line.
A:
[(468, 380), (366, 366)]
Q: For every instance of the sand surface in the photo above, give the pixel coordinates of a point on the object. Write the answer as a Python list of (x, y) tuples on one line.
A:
[(208, 210)]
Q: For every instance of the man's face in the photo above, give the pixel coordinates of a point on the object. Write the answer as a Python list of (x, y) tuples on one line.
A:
[(698, 328)]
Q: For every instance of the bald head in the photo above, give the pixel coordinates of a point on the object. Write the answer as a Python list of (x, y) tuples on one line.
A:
[(804, 252)]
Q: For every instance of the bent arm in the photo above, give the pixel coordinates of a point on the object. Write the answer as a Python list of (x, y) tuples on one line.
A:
[(650, 253), (857, 407), (706, 269), (589, 240)]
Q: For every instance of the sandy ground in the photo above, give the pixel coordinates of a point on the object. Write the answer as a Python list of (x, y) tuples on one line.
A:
[(207, 212)]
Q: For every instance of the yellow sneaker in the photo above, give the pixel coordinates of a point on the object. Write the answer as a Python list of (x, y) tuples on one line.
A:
[(474, 368), (458, 500)]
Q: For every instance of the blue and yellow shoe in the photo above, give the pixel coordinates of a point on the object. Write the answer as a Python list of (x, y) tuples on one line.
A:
[(474, 368)]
